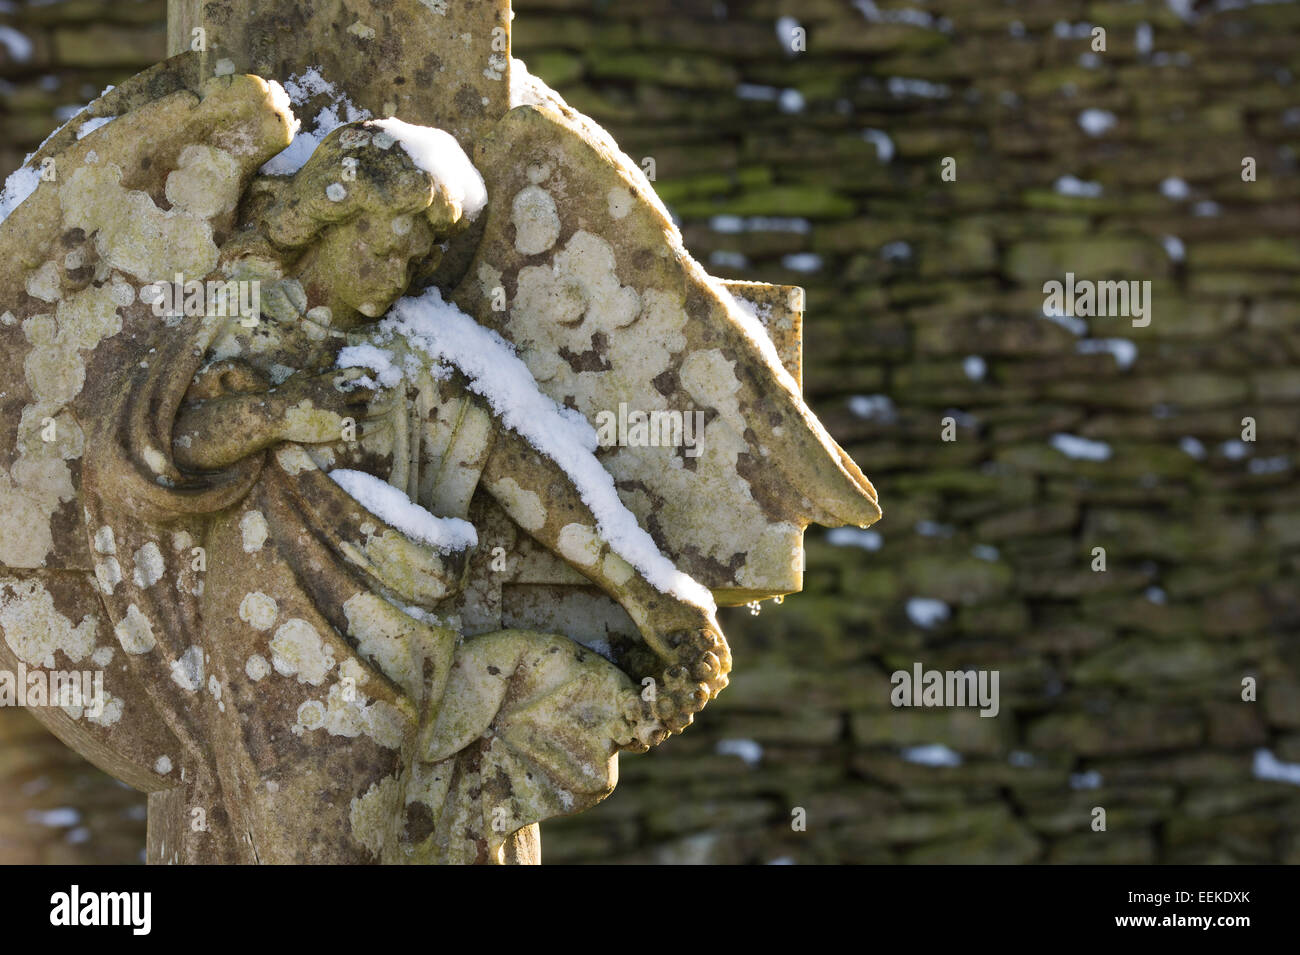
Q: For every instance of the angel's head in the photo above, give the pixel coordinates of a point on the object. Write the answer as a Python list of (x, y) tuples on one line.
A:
[(369, 214)]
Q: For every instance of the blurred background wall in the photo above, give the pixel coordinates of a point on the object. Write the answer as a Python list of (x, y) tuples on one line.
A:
[(1120, 689)]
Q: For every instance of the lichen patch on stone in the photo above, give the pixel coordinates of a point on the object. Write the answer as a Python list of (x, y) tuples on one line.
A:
[(298, 651), (135, 632), (537, 222), (149, 565), (34, 629), (258, 610), (254, 530)]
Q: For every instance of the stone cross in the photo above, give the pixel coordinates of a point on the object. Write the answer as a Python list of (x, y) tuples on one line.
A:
[(381, 483), (442, 63)]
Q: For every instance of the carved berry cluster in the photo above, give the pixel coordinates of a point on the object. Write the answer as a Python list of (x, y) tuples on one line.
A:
[(668, 705)]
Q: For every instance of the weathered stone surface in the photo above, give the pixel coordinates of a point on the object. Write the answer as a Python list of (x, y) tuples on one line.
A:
[(445, 65), (288, 636)]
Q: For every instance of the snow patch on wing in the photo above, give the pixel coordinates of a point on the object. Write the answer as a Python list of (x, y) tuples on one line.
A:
[(444, 333), (21, 184)]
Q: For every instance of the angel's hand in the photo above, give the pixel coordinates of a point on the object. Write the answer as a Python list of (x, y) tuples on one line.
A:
[(315, 408), (312, 408)]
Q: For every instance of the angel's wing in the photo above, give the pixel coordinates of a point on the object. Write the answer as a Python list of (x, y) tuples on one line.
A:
[(139, 189), (614, 318)]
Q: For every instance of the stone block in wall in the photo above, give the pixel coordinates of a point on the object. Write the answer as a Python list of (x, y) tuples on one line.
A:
[(103, 45), (802, 725), (1281, 700), (868, 233), (1136, 664), (1005, 843), (1274, 313), (681, 70), (567, 843), (1203, 580), (966, 56), (1127, 728), (1247, 837), (957, 579), (1283, 527), (1093, 258), (1276, 384), (24, 50), (903, 828), (1185, 537), (962, 482), (1127, 808), (579, 30), (1235, 723), (773, 687), (874, 38), (990, 334), (1190, 768), (961, 729), (1236, 612), (1112, 847), (1061, 583), (1179, 318), (710, 815), (83, 13), (808, 201), (1287, 747), (555, 68), (1244, 283), (1139, 612), (1006, 619), (1120, 463), (1245, 254), (731, 38), (1049, 517)]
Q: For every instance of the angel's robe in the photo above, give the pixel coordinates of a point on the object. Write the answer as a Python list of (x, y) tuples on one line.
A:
[(291, 641)]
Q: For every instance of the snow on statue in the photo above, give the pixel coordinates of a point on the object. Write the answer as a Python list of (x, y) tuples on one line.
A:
[(279, 529)]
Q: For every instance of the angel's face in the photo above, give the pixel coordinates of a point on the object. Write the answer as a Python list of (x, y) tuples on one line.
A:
[(359, 269)]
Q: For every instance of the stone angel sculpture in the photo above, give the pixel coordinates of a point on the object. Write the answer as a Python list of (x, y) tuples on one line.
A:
[(290, 456)]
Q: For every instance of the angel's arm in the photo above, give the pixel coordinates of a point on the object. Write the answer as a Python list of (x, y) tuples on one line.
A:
[(540, 497), (232, 413)]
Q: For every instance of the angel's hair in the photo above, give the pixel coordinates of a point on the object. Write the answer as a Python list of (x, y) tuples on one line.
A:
[(346, 176)]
